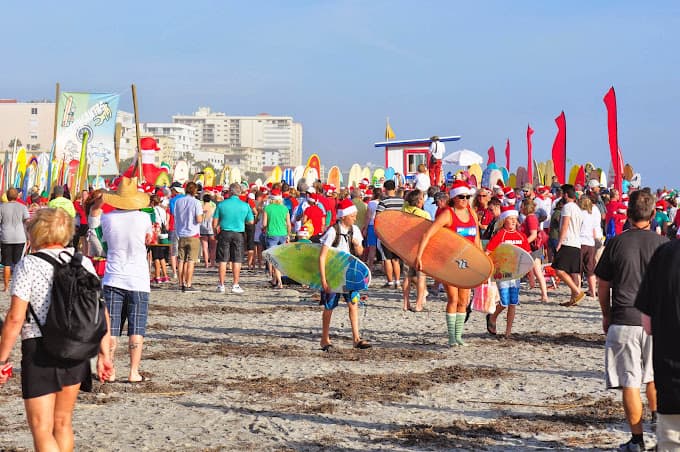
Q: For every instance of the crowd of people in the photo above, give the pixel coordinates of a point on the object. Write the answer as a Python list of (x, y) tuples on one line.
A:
[(597, 240)]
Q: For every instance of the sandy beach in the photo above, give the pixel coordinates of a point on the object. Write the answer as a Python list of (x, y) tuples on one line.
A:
[(245, 372)]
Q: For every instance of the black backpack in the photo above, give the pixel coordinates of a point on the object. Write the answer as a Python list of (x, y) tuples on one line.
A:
[(76, 320), (348, 237)]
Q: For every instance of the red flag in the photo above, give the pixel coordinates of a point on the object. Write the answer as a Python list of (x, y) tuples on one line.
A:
[(492, 155), (559, 149), (507, 154), (612, 127), (530, 165)]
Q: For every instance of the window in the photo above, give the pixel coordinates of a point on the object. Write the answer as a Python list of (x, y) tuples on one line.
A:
[(413, 160), (34, 110)]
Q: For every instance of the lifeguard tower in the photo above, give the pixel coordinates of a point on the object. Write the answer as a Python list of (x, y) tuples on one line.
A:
[(405, 155)]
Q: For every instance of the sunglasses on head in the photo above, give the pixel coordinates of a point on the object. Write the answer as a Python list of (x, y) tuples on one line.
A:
[(464, 196)]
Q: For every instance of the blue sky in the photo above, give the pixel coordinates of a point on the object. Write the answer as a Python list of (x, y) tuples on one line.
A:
[(483, 70)]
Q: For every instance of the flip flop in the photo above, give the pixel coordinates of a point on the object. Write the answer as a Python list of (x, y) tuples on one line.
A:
[(490, 326), (327, 347), (143, 380), (362, 345)]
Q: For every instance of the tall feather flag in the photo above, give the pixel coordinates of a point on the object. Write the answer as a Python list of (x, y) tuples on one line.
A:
[(530, 164), (492, 155), (507, 154), (612, 128), (389, 133), (559, 149)]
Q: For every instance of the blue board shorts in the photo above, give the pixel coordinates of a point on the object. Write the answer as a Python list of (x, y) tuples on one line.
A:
[(509, 292), (330, 300)]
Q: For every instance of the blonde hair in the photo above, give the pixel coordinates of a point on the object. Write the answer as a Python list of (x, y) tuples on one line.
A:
[(586, 204), (50, 226), (528, 205)]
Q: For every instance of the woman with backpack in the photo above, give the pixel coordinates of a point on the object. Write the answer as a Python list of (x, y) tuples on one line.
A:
[(49, 385), (537, 238)]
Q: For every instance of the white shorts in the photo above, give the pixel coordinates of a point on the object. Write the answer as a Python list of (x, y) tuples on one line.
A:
[(628, 357)]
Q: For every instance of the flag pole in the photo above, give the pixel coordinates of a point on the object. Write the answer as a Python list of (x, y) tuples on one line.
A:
[(139, 147)]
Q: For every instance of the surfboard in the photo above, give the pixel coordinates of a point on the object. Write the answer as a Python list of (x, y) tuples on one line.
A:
[(512, 180), (366, 174), (314, 162), (300, 262), (505, 173), (354, 175), (235, 175), (70, 175), (378, 174), (572, 174), (475, 171), (448, 257), (390, 173), (580, 177), (603, 177), (209, 177), (628, 171), (334, 177), (311, 175), (298, 173), (549, 172), (522, 176), (510, 262), (491, 176), (288, 177), (588, 167), (181, 172)]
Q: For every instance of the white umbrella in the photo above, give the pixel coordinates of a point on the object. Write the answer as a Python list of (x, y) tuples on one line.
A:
[(464, 157)]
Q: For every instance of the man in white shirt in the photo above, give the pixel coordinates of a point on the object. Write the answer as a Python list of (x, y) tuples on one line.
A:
[(437, 150), (126, 283), (567, 261)]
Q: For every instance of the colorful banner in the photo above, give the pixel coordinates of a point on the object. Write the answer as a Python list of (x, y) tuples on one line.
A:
[(530, 162), (492, 155), (95, 114), (612, 128), (559, 149), (507, 154)]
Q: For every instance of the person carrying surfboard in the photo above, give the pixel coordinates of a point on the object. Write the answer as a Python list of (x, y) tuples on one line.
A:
[(459, 217), (345, 236), (509, 290)]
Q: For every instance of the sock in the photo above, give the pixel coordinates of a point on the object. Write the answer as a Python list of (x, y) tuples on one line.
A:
[(637, 439), (451, 325), (460, 325)]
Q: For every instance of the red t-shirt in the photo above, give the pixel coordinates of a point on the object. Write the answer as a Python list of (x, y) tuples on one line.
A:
[(616, 210), (80, 211), (485, 216), (530, 224), (317, 217), (516, 238)]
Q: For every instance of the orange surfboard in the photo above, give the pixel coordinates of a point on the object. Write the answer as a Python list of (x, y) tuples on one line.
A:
[(448, 257)]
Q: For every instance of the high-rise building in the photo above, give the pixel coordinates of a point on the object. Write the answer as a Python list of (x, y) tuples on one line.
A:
[(278, 139), (179, 137), (30, 123)]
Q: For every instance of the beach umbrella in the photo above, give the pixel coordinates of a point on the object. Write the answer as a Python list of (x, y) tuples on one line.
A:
[(464, 157)]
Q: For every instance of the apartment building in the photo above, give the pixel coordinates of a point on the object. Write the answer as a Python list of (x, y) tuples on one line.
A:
[(30, 123), (279, 137)]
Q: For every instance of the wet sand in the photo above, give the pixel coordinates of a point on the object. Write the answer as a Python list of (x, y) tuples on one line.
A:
[(245, 372)]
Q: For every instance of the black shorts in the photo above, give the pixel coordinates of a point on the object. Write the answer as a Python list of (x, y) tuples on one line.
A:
[(387, 254), (41, 374), (11, 253), (250, 237), (160, 252), (568, 259), (230, 246)]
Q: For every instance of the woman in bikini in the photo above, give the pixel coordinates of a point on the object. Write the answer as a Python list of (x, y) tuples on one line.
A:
[(460, 218)]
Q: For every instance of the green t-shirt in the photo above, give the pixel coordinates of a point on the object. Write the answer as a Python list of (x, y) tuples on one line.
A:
[(276, 220)]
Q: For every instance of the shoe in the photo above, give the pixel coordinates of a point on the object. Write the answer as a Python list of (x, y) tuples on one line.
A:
[(388, 284), (143, 380), (182, 288), (221, 288), (490, 326), (236, 289), (398, 286), (327, 347), (165, 279), (362, 345), (630, 446), (191, 289)]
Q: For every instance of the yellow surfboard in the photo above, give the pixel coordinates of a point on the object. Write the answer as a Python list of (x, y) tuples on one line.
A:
[(573, 173)]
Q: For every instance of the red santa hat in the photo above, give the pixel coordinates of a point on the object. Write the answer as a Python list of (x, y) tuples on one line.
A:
[(303, 232), (276, 195), (329, 188), (458, 188), (148, 144), (508, 192), (508, 211), (346, 207)]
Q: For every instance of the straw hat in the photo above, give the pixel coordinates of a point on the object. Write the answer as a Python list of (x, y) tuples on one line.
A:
[(127, 197)]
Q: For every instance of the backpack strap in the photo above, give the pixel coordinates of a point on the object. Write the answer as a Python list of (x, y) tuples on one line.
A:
[(31, 311)]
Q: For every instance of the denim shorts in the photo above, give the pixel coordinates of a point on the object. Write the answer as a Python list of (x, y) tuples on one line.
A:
[(127, 304), (275, 240)]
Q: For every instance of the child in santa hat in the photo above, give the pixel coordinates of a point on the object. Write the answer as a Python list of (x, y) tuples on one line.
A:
[(509, 290), (350, 242)]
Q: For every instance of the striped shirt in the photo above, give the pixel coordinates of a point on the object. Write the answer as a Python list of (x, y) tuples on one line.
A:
[(390, 203)]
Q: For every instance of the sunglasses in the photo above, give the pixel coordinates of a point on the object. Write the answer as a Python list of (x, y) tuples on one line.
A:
[(464, 196)]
